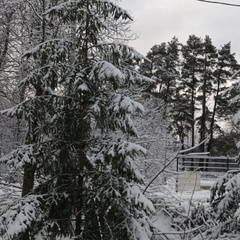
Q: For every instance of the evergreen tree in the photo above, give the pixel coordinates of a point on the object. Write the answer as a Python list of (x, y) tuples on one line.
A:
[(163, 68), (84, 182), (226, 144), (225, 202), (206, 86), (170, 71), (189, 79), (180, 116), (192, 54), (225, 191), (225, 68)]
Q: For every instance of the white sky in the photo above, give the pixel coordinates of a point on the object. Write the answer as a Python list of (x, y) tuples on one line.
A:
[(158, 21)]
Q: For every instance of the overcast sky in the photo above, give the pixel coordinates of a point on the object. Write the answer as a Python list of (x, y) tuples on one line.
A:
[(158, 21)]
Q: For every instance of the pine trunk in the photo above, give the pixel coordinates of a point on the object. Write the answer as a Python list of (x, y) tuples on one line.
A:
[(203, 118), (214, 114)]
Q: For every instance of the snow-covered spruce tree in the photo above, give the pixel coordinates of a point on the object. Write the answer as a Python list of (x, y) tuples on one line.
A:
[(225, 199), (225, 196), (86, 182)]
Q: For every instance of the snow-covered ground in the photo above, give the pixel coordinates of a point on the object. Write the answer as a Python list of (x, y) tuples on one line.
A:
[(174, 208)]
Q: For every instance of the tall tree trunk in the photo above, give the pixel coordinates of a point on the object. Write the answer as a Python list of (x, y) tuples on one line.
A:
[(29, 168), (79, 208), (193, 109), (6, 38), (193, 112), (203, 117), (214, 114), (82, 135)]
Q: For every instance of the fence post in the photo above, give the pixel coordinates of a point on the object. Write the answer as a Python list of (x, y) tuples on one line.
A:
[(227, 162)]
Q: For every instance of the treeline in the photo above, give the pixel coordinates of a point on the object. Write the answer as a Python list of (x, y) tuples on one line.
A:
[(190, 79)]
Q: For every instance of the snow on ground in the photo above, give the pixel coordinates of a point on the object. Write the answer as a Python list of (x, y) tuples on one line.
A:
[(168, 202)]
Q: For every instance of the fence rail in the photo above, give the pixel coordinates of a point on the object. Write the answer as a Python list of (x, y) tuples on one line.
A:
[(206, 163)]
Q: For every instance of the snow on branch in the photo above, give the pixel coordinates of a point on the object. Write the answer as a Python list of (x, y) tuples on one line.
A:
[(104, 70), (134, 194), (123, 51), (225, 202), (118, 148), (14, 111), (133, 77), (47, 75), (106, 7), (54, 48), (115, 10), (123, 103), (18, 217), (20, 156), (235, 99), (27, 107), (113, 112), (236, 117), (141, 233), (122, 107)]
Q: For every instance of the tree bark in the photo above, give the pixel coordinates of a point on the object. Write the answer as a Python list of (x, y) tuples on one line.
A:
[(214, 113), (29, 168), (203, 117)]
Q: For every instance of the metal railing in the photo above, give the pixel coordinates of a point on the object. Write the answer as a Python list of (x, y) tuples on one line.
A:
[(205, 163)]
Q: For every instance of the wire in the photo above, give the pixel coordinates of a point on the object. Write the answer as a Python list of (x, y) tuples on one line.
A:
[(222, 3)]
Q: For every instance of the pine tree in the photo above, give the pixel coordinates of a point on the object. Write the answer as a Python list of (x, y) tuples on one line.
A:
[(205, 89), (191, 70), (189, 78), (79, 120), (163, 68), (225, 191), (180, 116), (225, 68)]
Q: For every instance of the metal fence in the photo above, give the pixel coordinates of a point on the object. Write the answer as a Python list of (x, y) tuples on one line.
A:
[(205, 163)]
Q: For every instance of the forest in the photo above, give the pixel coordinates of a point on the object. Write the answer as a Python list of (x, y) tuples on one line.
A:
[(90, 128)]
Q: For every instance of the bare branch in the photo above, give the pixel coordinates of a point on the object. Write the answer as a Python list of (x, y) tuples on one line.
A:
[(196, 146), (172, 233), (175, 157), (161, 171), (37, 14)]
